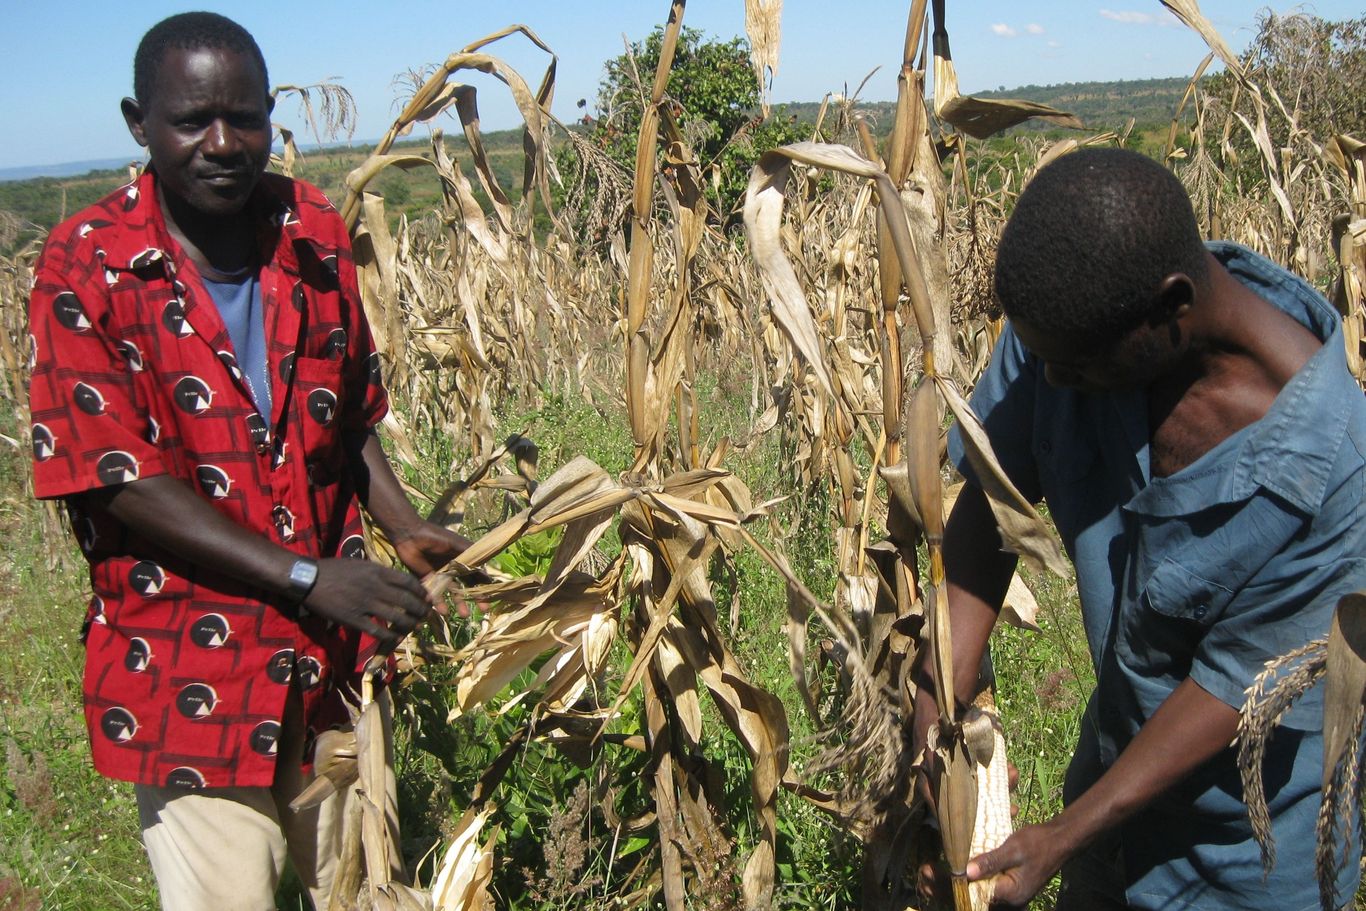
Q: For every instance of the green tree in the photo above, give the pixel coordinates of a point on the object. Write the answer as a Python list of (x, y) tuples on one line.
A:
[(713, 97), (1317, 67)]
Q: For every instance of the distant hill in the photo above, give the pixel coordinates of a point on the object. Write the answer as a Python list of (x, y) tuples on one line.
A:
[(1100, 105), (1107, 105), (66, 169)]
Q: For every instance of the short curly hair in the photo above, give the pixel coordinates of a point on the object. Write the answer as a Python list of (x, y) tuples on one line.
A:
[(1091, 239), (189, 31)]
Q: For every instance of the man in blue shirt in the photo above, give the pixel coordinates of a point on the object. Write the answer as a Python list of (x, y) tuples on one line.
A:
[(1187, 413)]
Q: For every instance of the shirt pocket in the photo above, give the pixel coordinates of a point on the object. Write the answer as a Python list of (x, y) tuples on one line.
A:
[(318, 395), (1174, 591)]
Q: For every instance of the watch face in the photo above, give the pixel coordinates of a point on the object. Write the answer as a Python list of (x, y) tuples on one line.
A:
[(302, 575)]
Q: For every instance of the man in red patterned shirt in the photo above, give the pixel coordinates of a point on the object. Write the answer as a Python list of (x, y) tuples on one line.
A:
[(204, 391)]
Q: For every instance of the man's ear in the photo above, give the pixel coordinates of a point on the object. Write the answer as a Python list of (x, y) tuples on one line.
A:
[(1175, 296), (133, 116)]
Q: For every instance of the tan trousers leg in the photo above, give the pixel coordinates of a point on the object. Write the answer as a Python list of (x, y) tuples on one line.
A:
[(224, 849)]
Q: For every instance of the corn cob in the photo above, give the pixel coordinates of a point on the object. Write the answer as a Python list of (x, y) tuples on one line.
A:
[(992, 825)]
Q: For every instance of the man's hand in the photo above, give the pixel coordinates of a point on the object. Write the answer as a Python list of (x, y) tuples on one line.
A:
[(1025, 862), (427, 547), (374, 599)]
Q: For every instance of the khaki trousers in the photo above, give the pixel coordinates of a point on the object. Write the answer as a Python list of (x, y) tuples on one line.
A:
[(224, 849)]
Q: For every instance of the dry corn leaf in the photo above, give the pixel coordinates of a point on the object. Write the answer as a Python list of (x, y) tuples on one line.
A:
[(334, 764), (980, 117), (1188, 11), (462, 881), (763, 26), (1022, 530)]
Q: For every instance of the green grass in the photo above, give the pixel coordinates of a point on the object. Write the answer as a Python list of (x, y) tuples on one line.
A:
[(67, 835)]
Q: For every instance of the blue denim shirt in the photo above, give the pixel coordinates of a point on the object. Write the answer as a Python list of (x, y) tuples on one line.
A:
[(1208, 573)]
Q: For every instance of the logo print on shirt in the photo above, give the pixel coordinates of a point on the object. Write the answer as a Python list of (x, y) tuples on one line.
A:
[(198, 700), (97, 611), (310, 671), (373, 374), (264, 737), (330, 272), (230, 361), (185, 777), (146, 578), (298, 298), (336, 344), (257, 429), (286, 368), (214, 481), (210, 631), (353, 548), (88, 399), (153, 429), (145, 258), (138, 657), (117, 467), (119, 724), (284, 522), (173, 319), (280, 668), (70, 315), (44, 443), (193, 395), (322, 406), (131, 354), (32, 351)]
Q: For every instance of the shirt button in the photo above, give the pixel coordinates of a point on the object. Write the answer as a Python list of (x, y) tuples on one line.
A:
[(1046, 447), (262, 448), (1200, 612)]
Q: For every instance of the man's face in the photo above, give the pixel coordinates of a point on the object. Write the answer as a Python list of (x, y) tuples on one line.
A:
[(206, 127), (1131, 363)]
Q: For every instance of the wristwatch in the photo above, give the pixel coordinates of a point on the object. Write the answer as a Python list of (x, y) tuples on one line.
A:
[(302, 577)]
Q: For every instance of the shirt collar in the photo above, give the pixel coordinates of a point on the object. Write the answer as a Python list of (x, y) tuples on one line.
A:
[(1291, 450), (135, 237)]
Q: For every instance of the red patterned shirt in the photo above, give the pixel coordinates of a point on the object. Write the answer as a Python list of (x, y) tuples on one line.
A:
[(133, 375)]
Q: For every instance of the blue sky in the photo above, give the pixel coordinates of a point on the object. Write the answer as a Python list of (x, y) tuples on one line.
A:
[(66, 63)]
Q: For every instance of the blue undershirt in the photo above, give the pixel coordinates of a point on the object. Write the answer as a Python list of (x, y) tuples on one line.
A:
[(239, 306)]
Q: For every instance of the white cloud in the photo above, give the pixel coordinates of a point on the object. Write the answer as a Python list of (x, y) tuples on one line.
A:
[(1055, 44), (1003, 30), (1034, 28), (1134, 17)]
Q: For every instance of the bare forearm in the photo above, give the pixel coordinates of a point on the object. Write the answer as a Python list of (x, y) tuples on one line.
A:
[(1185, 732), (168, 513), (378, 488), (422, 546)]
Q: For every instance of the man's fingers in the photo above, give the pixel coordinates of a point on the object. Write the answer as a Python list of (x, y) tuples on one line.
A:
[(386, 637), (991, 863), (1007, 892)]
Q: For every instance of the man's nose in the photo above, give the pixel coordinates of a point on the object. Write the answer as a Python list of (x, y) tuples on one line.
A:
[(220, 140)]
